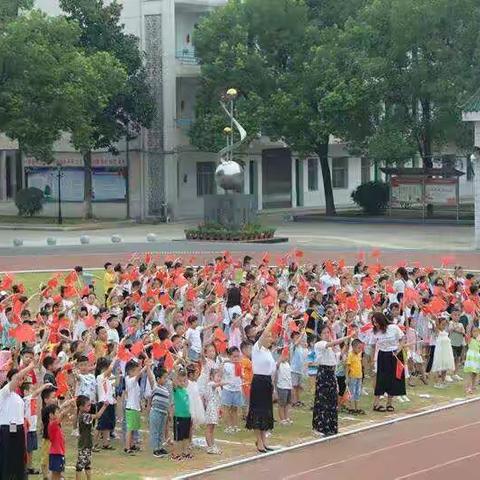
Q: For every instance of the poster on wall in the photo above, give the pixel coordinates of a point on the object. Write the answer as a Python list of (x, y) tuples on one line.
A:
[(109, 185), (72, 183), (441, 192), (406, 192)]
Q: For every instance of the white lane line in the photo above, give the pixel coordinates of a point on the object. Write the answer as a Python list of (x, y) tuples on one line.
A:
[(378, 450), (348, 433), (439, 465)]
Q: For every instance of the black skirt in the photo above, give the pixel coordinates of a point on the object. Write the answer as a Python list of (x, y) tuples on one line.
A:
[(12, 453), (260, 411), (387, 381), (325, 407)]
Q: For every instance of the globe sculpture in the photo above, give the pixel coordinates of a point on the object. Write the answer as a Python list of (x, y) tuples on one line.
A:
[(229, 176)]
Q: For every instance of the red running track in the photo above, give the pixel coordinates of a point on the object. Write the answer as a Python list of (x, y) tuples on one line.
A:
[(443, 446), (46, 260)]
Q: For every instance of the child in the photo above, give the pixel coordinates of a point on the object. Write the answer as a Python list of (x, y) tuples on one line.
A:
[(472, 363), (30, 399), (312, 365), (197, 410), (53, 431), (182, 421), (232, 389), (85, 438), (212, 412), (49, 397), (161, 403), (297, 365), (247, 372), (457, 337), (443, 360), (86, 383), (132, 406), (105, 394), (354, 374), (284, 387), (50, 367)]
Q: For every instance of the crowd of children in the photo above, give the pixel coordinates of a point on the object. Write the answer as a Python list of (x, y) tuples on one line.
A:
[(171, 343)]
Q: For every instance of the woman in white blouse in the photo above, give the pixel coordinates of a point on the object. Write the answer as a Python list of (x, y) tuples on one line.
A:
[(12, 434), (390, 380), (260, 410), (325, 411)]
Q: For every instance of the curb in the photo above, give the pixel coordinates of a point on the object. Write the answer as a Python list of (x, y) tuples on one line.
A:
[(70, 228), (254, 458)]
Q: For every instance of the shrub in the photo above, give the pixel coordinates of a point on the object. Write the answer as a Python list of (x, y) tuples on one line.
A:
[(29, 201), (214, 231), (372, 197)]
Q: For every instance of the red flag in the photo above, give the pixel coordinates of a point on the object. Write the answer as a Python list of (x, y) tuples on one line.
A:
[(238, 369), (303, 286), (148, 258), (367, 282), (71, 278), (293, 326), (469, 307), (399, 370), (53, 282), (352, 303), (61, 380), (366, 328), (277, 326), (123, 354), (191, 294), (341, 263), (180, 281), (367, 301), (168, 363), (437, 305), (285, 351), (137, 348), (158, 350), (298, 254), (219, 289), (411, 295), (23, 333), (376, 253), (89, 321), (69, 291), (220, 340), (165, 300), (448, 260), (7, 282), (266, 258), (361, 257)]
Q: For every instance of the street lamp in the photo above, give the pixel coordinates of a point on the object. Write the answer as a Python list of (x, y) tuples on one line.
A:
[(60, 174), (476, 192)]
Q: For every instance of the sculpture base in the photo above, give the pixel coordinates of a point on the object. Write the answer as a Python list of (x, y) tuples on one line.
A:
[(232, 210)]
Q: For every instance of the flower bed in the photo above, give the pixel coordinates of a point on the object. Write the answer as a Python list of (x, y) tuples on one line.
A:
[(219, 232)]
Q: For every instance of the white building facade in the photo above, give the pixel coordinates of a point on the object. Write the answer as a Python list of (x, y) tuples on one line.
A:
[(163, 170)]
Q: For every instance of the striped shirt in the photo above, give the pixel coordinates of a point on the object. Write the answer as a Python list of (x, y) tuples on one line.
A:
[(161, 398)]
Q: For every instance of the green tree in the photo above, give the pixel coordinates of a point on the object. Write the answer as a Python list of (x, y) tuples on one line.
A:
[(48, 84), (421, 56), (265, 48), (132, 107), (10, 9)]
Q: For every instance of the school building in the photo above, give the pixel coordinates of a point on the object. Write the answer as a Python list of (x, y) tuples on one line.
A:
[(162, 169)]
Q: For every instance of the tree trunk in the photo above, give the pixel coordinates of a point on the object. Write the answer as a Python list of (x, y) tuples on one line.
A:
[(322, 152), (427, 134), (87, 205)]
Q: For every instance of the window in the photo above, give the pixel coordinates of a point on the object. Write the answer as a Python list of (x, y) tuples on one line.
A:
[(312, 174), (205, 178), (340, 172), (365, 175)]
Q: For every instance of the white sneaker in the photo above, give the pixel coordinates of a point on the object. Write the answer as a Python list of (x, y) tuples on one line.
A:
[(290, 421), (400, 399), (458, 378), (75, 432), (364, 392), (236, 429), (284, 422), (214, 450), (448, 379), (440, 386), (405, 398), (317, 433), (268, 434)]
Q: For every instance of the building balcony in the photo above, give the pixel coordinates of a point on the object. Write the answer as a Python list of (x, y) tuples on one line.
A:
[(186, 57)]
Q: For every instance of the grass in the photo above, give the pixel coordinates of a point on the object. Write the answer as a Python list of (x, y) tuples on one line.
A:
[(118, 466)]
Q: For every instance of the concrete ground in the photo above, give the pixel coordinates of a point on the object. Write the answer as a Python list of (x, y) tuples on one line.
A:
[(316, 235)]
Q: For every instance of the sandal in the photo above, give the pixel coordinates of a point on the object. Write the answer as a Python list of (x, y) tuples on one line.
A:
[(379, 408), (390, 408), (360, 412), (108, 447)]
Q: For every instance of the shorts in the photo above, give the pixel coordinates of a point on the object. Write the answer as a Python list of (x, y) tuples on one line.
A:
[(132, 418), (232, 399), (355, 387), (284, 396), (193, 356), (84, 460), (44, 451), (56, 463), (32, 442), (457, 352), (107, 420), (181, 428), (297, 379)]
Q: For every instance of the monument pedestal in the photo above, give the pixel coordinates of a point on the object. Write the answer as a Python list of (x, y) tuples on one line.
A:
[(232, 210)]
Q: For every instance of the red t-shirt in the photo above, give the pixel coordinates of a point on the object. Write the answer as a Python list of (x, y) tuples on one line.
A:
[(56, 437)]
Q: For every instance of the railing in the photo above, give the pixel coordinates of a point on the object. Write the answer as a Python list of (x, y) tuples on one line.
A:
[(186, 57)]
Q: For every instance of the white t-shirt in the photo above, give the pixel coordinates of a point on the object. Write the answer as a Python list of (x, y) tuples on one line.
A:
[(325, 355), (112, 335), (262, 361), (233, 383), (87, 385), (193, 338), (105, 389), (328, 281), (284, 376), (132, 393), (79, 328), (31, 412), (12, 408), (388, 341)]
